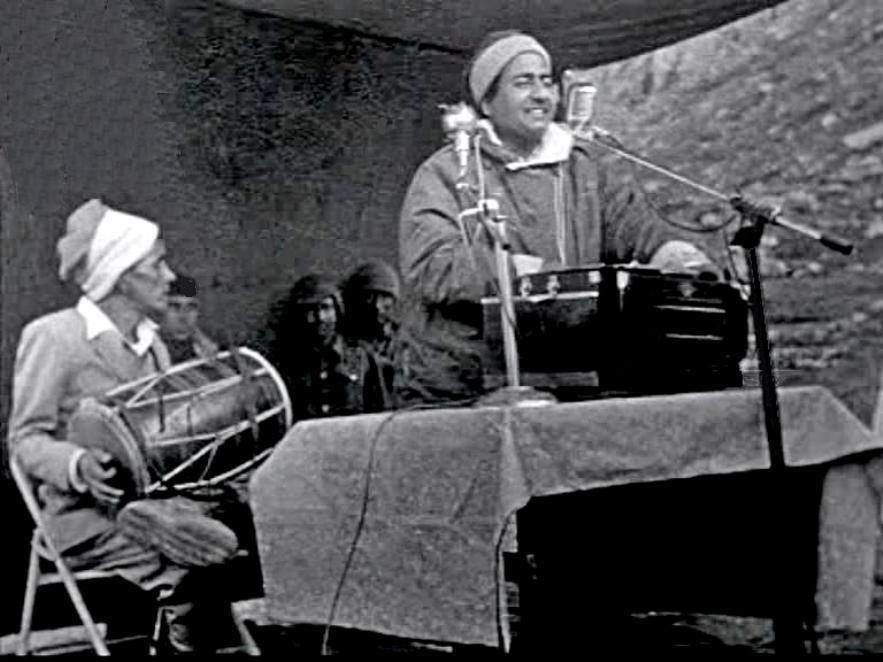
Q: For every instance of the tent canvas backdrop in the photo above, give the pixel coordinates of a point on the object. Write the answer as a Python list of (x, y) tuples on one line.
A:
[(581, 32)]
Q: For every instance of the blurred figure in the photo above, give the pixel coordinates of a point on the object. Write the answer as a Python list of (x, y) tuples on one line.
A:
[(370, 298), (326, 373), (180, 327)]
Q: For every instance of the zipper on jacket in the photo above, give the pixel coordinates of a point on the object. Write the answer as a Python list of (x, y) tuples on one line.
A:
[(560, 221)]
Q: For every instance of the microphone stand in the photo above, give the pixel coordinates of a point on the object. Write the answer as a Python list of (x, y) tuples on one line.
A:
[(787, 627), (495, 226), (487, 212), (513, 393)]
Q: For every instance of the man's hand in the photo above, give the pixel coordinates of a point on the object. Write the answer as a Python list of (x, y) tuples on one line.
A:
[(96, 469), (681, 256)]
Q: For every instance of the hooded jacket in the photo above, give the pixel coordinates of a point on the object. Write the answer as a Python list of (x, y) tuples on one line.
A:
[(571, 205)]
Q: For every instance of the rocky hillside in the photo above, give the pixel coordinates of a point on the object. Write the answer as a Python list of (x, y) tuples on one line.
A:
[(784, 106)]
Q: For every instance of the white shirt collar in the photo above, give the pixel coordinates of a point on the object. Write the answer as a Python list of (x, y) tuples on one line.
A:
[(97, 322), (554, 148)]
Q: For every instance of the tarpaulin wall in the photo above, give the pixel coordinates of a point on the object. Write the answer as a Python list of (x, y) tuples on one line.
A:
[(266, 149)]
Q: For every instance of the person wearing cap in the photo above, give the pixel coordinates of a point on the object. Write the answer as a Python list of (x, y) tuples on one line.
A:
[(327, 374), (180, 326), (107, 339), (370, 297), (565, 202)]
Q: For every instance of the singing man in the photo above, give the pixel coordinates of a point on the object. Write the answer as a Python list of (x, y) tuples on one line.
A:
[(564, 201)]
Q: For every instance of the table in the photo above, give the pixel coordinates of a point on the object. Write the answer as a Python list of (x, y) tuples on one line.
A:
[(429, 496)]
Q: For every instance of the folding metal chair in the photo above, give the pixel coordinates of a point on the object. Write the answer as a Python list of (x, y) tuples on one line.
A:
[(42, 548)]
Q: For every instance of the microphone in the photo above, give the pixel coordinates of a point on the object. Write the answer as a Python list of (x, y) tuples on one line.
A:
[(579, 96), (459, 123)]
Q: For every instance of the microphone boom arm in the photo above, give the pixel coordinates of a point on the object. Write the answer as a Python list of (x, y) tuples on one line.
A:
[(768, 215)]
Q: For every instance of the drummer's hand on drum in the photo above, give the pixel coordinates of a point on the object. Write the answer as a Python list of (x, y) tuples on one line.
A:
[(96, 470)]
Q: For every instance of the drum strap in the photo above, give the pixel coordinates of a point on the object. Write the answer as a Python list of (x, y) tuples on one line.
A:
[(248, 384)]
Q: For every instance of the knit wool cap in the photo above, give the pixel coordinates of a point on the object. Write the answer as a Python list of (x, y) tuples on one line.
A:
[(314, 288), (100, 245), (490, 62), (374, 275)]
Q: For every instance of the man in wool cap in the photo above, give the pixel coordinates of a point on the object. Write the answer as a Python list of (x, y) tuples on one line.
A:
[(565, 203), (370, 296), (107, 339)]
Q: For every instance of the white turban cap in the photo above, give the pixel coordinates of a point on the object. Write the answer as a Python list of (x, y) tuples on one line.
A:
[(101, 244)]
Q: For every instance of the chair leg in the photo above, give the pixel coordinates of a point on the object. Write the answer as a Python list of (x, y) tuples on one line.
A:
[(27, 610), (249, 645), (157, 636), (80, 605)]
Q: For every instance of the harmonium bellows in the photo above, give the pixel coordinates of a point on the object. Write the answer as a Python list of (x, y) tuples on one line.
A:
[(612, 329)]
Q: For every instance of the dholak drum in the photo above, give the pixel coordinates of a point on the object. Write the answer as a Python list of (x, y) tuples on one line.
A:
[(196, 425)]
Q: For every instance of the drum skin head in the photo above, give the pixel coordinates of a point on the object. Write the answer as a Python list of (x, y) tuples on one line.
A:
[(95, 425)]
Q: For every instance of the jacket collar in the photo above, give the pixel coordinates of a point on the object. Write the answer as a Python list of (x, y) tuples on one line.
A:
[(97, 323), (554, 148)]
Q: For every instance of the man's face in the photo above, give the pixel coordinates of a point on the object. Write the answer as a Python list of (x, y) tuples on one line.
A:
[(525, 101), (146, 284), (181, 317), (376, 315), (320, 321)]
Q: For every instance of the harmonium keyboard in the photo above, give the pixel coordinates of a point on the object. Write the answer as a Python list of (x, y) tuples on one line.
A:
[(620, 330)]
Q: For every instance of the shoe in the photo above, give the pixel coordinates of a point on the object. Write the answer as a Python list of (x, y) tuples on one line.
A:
[(177, 529), (185, 629)]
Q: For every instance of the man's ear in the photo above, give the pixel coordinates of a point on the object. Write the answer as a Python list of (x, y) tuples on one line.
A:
[(122, 285)]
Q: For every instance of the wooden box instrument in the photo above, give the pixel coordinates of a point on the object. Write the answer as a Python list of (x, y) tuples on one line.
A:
[(621, 329)]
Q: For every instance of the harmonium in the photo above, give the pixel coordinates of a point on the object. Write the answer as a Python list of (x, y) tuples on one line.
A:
[(611, 330)]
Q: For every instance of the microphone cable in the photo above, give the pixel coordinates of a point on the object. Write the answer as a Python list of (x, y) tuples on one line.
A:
[(720, 227), (363, 509), (618, 147)]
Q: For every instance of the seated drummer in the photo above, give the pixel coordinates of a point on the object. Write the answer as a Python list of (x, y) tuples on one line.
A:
[(327, 373), (566, 203), (106, 340)]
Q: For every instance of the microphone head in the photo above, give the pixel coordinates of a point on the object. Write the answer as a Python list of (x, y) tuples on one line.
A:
[(579, 94), (458, 117)]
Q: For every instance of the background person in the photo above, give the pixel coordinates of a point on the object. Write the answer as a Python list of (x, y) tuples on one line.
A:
[(327, 374), (180, 325)]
